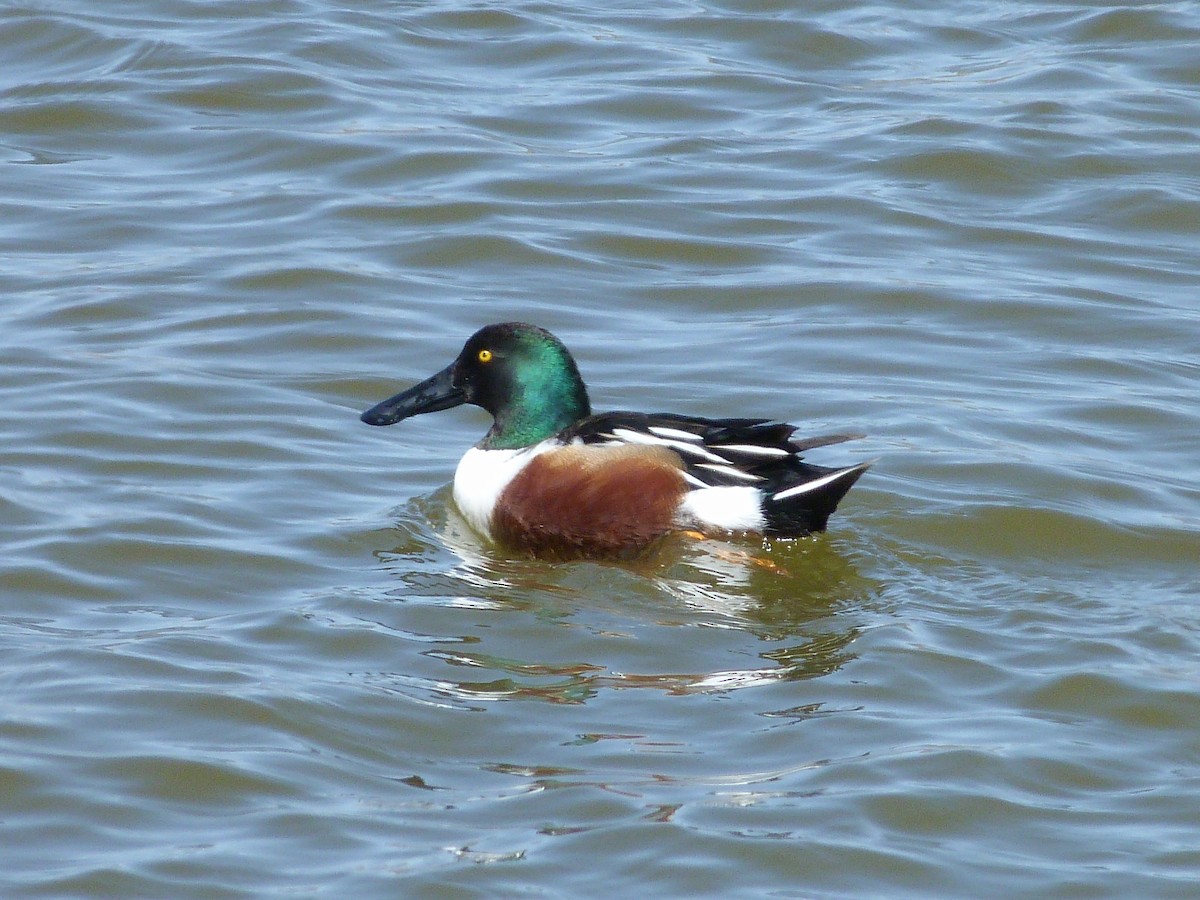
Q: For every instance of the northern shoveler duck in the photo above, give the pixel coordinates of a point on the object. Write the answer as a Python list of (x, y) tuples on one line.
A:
[(551, 478)]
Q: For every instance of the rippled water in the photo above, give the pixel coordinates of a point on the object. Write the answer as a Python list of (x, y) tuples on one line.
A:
[(247, 647)]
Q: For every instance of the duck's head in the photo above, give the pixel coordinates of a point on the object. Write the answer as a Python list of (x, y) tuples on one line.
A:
[(521, 374)]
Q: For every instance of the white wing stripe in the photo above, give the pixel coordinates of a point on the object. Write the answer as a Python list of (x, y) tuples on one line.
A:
[(638, 437), (752, 450), (811, 485), (676, 433)]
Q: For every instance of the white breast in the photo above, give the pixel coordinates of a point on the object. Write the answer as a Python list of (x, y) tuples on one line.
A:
[(482, 476)]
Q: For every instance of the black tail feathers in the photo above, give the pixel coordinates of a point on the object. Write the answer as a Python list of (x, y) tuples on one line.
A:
[(806, 505)]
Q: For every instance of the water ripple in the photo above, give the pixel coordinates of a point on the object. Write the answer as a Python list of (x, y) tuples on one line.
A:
[(248, 641)]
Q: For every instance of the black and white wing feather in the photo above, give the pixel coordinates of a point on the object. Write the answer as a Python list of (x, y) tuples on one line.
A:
[(758, 453)]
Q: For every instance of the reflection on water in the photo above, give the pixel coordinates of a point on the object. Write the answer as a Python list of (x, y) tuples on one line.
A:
[(795, 599)]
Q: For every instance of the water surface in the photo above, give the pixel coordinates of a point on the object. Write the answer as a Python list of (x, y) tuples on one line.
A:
[(248, 648)]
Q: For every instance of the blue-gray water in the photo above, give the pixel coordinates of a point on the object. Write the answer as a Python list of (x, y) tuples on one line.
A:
[(247, 648)]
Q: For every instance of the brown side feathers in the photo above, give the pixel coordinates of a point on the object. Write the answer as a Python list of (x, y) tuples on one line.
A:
[(591, 500)]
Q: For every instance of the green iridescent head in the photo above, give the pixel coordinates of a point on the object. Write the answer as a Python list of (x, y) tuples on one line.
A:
[(521, 374)]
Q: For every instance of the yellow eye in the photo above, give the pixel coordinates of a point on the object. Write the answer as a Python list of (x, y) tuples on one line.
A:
[(485, 356)]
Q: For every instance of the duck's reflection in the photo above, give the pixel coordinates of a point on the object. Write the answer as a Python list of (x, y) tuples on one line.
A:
[(798, 598)]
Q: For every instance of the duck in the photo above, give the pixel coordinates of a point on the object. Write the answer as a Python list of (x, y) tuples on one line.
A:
[(553, 479)]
